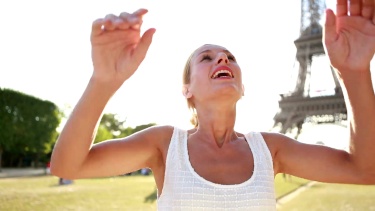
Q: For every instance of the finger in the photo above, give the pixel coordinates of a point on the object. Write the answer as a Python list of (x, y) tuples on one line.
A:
[(367, 9), (136, 26), (133, 21), (137, 21), (125, 24), (355, 7), (124, 15), (140, 12), (329, 30), (143, 45), (97, 26), (342, 8), (109, 22)]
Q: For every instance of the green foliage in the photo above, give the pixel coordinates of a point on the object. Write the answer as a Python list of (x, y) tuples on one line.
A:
[(27, 124), (110, 127), (102, 134), (142, 127), (112, 124), (128, 131)]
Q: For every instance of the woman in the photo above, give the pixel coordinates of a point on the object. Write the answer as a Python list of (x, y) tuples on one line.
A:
[(212, 166)]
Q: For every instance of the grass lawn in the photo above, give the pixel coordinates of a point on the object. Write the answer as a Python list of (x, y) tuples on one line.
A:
[(43, 193), (134, 192), (283, 187), (333, 197)]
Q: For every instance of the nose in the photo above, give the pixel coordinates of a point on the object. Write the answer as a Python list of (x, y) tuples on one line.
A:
[(222, 57)]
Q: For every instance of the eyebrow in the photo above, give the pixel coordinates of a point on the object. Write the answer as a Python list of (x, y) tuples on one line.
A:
[(206, 51)]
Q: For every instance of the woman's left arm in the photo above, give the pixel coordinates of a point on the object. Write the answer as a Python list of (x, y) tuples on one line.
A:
[(349, 39)]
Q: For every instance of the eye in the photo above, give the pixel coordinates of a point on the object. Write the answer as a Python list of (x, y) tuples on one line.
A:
[(206, 57), (231, 57)]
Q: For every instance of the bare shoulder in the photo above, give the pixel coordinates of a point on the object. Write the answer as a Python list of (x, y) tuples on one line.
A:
[(164, 132), (157, 133), (275, 140), (160, 130), (149, 145), (274, 136), (151, 140)]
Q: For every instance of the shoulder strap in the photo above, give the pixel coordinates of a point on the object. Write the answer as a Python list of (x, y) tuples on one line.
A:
[(259, 147)]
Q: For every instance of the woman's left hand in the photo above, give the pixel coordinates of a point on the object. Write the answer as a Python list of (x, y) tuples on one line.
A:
[(349, 35)]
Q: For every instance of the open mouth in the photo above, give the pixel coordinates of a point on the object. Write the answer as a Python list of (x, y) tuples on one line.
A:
[(222, 74)]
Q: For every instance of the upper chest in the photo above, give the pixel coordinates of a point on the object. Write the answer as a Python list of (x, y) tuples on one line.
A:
[(232, 163)]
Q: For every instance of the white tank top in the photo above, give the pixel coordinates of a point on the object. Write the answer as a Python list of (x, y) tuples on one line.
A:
[(184, 189)]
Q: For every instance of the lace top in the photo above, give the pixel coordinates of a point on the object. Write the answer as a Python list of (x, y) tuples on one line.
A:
[(184, 189)]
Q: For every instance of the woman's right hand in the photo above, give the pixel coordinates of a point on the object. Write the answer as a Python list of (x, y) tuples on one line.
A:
[(117, 47)]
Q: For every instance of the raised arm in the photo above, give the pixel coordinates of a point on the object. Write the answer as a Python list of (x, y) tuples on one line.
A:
[(349, 38), (350, 44), (117, 51)]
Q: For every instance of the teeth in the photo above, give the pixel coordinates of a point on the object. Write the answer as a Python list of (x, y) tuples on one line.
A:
[(222, 71)]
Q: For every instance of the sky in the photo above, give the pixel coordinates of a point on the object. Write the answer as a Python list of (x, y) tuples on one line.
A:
[(45, 52)]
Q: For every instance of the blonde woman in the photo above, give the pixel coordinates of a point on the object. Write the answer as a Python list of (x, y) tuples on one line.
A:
[(212, 166)]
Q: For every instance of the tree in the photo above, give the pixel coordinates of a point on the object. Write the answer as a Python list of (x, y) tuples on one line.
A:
[(142, 127), (102, 134), (112, 124), (27, 124), (111, 127)]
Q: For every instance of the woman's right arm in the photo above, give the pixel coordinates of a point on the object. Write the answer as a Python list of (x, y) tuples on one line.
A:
[(117, 51)]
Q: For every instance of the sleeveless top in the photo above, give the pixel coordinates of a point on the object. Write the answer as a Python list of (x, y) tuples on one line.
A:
[(184, 189)]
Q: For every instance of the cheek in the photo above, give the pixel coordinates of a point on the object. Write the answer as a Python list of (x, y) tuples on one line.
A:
[(199, 78), (195, 86), (198, 83), (239, 77)]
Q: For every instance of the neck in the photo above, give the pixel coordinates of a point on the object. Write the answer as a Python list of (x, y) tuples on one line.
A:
[(216, 124)]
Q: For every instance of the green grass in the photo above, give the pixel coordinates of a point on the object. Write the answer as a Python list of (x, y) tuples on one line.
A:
[(333, 197), (43, 193), (134, 192), (283, 187)]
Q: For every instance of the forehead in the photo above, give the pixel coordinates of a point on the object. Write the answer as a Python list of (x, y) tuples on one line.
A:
[(209, 48)]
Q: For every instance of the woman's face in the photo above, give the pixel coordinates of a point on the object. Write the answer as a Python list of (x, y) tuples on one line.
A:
[(214, 73)]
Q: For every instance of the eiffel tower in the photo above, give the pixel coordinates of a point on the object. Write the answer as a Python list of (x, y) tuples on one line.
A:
[(298, 106)]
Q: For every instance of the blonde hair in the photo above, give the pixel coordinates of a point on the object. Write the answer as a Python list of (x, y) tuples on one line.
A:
[(186, 80)]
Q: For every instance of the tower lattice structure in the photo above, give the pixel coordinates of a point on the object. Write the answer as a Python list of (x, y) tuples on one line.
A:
[(298, 107)]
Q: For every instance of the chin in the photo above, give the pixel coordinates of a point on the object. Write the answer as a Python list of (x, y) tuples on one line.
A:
[(233, 92)]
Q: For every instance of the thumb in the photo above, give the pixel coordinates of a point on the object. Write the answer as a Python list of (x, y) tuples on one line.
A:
[(140, 51), (329, 30)]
